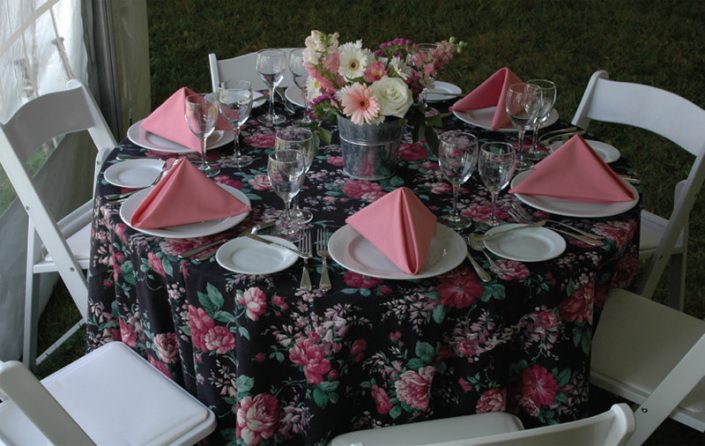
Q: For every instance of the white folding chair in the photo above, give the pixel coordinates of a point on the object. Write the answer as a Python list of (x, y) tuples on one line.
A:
[(498, 428), (53, 244), (110, 396), (653, 355), (242, 67), (683, 123)]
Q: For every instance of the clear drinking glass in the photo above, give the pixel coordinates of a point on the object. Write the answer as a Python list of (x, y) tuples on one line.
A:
[(301, 139), (522, 103), (235, 102), (200, 113), (496, 168), (285, 169), (271, 64), (548, 99), (300, 75), (457, 156)]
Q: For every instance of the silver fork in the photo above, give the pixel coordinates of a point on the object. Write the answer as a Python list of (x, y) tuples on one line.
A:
[(307, 250), (587, 240), (322, 251), (527, 217)]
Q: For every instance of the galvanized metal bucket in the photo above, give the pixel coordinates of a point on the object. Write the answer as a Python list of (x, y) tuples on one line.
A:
[(370, 152)]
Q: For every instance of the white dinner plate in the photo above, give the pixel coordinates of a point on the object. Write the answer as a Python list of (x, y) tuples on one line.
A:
[(200, 229), (247, 256), (148, 140), (294, 95), (258, 99), (354, 252), (483, 118), (607, 152), (134, 173), (571, 208), (525, 245), (446, 87)]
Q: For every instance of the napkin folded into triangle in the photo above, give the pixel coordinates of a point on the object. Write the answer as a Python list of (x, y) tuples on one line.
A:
[(490, 93), (400, 226), (185, 195), (167, 121), (575, 172)]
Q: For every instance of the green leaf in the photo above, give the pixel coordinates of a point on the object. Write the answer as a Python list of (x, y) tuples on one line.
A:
[(564, 377), (224, 316), (320, 397), (243, 332), (166, 264), (425, 351), (244, 384), (395, 412), (415, 364), (439, 313), (214, 295), (328, 386)]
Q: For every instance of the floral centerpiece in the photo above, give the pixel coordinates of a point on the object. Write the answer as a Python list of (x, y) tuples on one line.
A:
[(374, 87)]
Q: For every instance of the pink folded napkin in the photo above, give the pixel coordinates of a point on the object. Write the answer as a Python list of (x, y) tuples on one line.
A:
[(168, 121), (575, 172), (185, 195), (490, 93), (400, 226)]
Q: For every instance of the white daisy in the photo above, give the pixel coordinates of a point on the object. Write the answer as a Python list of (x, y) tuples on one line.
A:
[(353, 60)]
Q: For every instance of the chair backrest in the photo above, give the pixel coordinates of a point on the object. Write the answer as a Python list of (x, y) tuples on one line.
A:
[(26, 392), (665, 114), (242, 67)]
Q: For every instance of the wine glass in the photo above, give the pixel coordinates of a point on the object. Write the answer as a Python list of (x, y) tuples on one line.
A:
[(300, 74), (522, 103), (271, 64), (548, 99), (496, 167), (285, 168), (235, 103), (457, 156), (201, 113), (301, 139)]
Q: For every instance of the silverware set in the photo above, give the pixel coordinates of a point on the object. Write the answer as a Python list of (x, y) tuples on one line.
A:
[(321, 247), (206, 251), (521, 215)]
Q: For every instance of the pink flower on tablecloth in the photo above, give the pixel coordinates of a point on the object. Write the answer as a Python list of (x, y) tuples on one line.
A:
[(127, 333), (414, 388), (382, 403), (219, 340), (462, 382), (120, 231), (155, 263), (225, 179), (260, 183), (362, 190), (199, 323), (412, 152), (492, 400), (429, 165), (312, 358), (627, 268), (440, 187), (538, 387), (513, 270), (167, 346), (355, 280), (460, 289), (618, 231), (257, 418), (160, 366), (260, 140), (394, 336), (336, 161), (116, 259), (255, 301), (357, 349), (579, 306)]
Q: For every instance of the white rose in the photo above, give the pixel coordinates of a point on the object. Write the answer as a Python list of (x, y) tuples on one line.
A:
[(393, 95)]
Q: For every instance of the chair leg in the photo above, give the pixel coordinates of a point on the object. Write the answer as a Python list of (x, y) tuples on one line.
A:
[(31, 320), (676, 298)]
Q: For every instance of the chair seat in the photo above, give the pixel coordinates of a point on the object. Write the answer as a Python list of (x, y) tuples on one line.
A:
[(433, 431), (652, 229)]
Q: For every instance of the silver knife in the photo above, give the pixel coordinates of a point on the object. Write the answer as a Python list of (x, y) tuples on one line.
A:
[(270, 242)]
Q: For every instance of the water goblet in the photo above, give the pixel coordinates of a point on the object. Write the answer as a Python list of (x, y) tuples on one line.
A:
[(301, 139), (457, 156), (271, 64), (285, 169), (201, 113), (496, 166), (300, 75), (548, 100), (522, 104), (235, 103)]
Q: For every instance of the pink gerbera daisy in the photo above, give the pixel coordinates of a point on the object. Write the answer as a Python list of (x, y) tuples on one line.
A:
[(359, 103)]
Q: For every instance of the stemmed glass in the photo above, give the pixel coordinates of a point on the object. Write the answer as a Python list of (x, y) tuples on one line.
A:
[(201, 113), (298, 71), (522, 103), (301, 139), (457, 156), (496, 167), (285, 169), (235, 103), (271, 64), (548, 99)]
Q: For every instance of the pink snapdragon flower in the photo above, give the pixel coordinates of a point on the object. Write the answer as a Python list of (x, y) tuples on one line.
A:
[(375, 72)]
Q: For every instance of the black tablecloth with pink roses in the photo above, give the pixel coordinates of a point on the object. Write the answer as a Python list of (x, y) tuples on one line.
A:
[(282, 366)]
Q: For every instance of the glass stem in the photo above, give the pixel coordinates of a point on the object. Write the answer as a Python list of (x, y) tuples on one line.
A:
[(493, 217), (535, 137), (456, 189), (204, 162), (271, 102), (521, 132), (236, 141)]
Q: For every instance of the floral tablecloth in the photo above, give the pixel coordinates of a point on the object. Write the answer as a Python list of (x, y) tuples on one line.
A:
[(282, 366)]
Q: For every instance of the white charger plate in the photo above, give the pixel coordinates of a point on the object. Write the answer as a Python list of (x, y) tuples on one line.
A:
[(525, 245), (354, 252), (200, 229), (258, 99), (294, 95), (148, 140), (247, 256), (134, 173), (483, 118), (446, 87), (607, 152), (571, 208)]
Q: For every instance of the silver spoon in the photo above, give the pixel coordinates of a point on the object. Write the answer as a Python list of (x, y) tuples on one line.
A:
[(478, 246)]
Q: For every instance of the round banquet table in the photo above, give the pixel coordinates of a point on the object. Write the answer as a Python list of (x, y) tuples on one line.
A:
[(279, 365)]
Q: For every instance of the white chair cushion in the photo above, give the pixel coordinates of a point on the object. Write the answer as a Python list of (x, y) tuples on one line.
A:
[(16, 429)]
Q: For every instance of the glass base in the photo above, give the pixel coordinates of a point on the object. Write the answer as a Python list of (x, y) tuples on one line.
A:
[(240, 161), (287, 229), (209, 169), (456, 221), (303, 121), (301, 216), (273, 119)]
